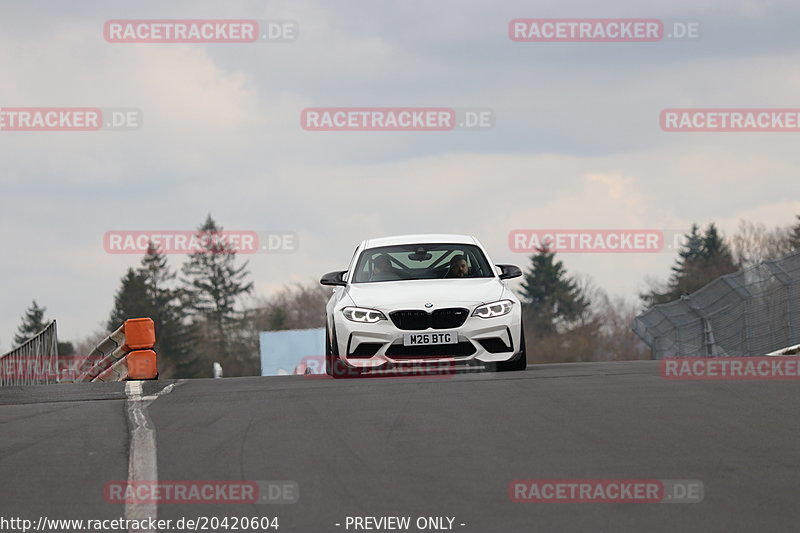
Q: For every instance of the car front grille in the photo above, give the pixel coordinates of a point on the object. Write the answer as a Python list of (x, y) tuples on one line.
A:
[(450, 317)]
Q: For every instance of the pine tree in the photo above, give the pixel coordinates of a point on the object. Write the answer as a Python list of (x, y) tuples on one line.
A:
[(213, 284), (157, 275), (717, 257), (550, 298), (689, 256), (131, 300), (702, 259), (33, 322), (173, 338), (66, 348), (147, 292), (690, 264)]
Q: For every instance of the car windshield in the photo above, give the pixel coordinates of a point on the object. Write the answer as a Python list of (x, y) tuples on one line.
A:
[(421, 261)]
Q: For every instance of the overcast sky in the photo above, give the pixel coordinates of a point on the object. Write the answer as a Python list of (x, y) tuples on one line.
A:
[(576, 141)]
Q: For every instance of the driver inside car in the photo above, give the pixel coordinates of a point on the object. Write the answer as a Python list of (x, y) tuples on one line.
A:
[(383, 269), (458, 267)]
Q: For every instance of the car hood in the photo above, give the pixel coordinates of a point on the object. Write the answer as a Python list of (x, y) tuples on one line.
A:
[(391, 295)]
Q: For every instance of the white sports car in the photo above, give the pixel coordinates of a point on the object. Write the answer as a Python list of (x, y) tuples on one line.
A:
[(422, 301)]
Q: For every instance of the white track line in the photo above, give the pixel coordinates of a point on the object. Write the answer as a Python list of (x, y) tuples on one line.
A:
[(142, 457)]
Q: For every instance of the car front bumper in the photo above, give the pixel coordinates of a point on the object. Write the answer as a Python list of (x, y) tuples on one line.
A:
[(379, 346)]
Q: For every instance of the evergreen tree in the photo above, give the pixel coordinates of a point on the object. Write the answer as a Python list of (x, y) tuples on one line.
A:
[(213, 284), (66, 348), (147, 292), (33, 322), (702, 259), (689, 256), (690, 264), (131, 300), (717, 258), (173, 338), (157, 275), (549, 297)]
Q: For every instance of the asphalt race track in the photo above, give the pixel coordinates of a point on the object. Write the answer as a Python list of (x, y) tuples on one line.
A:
[(422, 447)]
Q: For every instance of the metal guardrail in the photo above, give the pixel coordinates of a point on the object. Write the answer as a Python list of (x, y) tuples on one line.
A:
[(750, 312), (127, 353), (32, 361)]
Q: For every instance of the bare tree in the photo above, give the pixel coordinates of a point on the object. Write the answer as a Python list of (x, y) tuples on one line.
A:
[(298, 306), (87, 343), (617, 341), (754, 243), (601, 333)]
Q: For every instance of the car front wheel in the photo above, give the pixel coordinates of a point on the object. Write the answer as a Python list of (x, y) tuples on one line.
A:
[(328, 353), (334, 366), (520, 362)]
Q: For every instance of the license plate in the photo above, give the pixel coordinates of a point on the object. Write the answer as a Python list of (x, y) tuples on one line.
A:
[(427, 339)]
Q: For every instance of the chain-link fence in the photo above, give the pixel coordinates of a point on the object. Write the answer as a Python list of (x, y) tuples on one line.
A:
[(34, 361), (751, 312)]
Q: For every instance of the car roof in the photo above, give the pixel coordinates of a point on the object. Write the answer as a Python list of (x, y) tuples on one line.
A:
[(442, 238)]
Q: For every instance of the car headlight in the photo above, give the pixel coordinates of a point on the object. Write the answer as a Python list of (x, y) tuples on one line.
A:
[(361, 314), (491, 310)]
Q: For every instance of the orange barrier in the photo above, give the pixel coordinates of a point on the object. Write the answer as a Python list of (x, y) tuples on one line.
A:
[(142, 364), (126, 353), (140, 333)]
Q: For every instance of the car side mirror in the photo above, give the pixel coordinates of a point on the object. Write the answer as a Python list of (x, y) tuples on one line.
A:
[(334, 278), (509, 271)]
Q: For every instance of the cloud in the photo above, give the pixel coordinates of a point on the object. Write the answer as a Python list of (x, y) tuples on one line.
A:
[(576, 142)]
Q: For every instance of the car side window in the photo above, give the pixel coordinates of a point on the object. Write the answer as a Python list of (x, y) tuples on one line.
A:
[(364, 273)]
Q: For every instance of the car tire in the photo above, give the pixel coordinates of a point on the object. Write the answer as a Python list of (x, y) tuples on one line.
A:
[(328, 353), (334, 366), (331, 351), (520, 362)]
